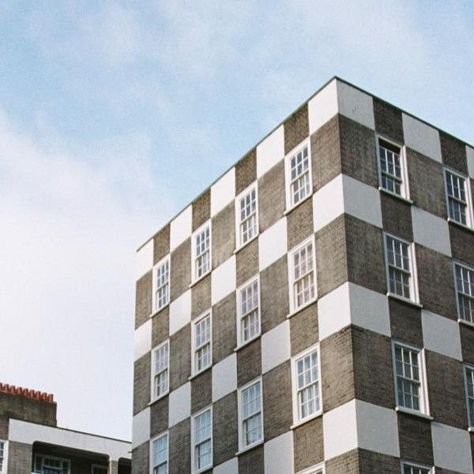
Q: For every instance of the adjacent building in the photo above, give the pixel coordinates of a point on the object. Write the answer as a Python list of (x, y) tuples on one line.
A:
[(312, 311), (31, 441)]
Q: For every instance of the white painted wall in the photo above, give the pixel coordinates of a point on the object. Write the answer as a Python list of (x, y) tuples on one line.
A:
[(272, 244), (144, 261), (224, 377), (322, 107), (142, 338), (223, 192), (223, 280), (278, 454), (180, 404), (276, 346), (180, 228), (355, 104), (270, 151), (441, 335), (421, 137), (430, 231), (180, 312)]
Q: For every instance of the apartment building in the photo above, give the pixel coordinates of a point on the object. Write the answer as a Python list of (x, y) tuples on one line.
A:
[(312, 311), (31, 441)]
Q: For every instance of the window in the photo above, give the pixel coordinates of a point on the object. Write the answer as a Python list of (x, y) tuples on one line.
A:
[(464, 279), (298, 171), (159, 455), (391, 168), (162, 284), (202, 440), (399, 261), (248, 297), (202, 252), (51, 465), (3, 456), (469, 373), (160, 374), (246, 216), (415, 469), (99, 469), (410, 391), (306, 385), (202, 343), (250, 415), (458, 197), (302, 275)]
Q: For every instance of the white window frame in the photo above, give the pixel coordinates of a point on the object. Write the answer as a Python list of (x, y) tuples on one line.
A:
[(404, 464), (423, 396), (290, 204), (404, 183), (317, 469), (238, 221), (194, 256), (194, 348), (470, 419), (291, 273), (297, 420), (194, 469), (161, 435), (244, 447), (4, 466), (153, 396), (160, 264), (467, 191), (56, 458), (99, 466), (414, 296), (240, 340), (470, 269)]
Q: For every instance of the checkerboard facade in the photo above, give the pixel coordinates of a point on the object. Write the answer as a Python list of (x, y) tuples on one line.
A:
[(363, 334)]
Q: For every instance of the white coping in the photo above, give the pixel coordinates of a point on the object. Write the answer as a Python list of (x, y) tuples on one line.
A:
[(29, 433), (144, 260), (142, 339), (270, 151), (470, 161), (323, 106), (430, 231), (421, 137), (223, 192), (441, 335), (181, 228)]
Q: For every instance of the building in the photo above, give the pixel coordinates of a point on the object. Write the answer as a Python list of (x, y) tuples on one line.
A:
[(31, 441), (312, 311)]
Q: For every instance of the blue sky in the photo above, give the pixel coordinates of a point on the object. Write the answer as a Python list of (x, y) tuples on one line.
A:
[(113, 115)]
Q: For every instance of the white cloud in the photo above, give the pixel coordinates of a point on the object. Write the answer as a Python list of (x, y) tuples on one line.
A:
[(70, 226)]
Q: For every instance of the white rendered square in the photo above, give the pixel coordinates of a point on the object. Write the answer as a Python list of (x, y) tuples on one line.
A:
[(421, 137), (142, 339), (228, 467), (179, 404), (355, 104), (223, 280), (451, 448), (270, 151), (430, 231), (276, 346), (470, 161), (180, 228), (144, 261), (180, 312), (224, 377), (328, 203), (278, 454), (322, 106), (222, 192), (441, 335), (272, 244), (141, 428)]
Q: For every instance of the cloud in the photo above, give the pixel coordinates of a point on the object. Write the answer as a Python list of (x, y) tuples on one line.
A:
[(70, 226)]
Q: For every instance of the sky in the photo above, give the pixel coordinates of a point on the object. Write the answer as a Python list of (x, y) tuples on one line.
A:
[(115, 114)]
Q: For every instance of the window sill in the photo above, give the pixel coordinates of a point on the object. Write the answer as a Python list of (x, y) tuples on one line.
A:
[(301, 308), (240, 247), (407, 411), (294, 206), (306, 420), (404, 300), (466, 323), (396, 196), (246, 343), (157, 399), (458, 224), (249, 448), (197, 374), (195, 282)]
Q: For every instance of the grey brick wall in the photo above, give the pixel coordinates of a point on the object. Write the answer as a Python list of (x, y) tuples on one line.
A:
[(304, 329), (246, 171), (141, 459), (143, 299), (201, 209), (141, 383), (296, 128), (396, 217), (249, 362), (180, 448), (252, 462), (415, 439), (246, 262), (180, 275), (300, 223), (223, 235), (224, 338), (271, 196), (180, 357), (347, 463), (161, 244), (388, 121), (201, 296), (453, 152), (20, 457), (159, 417), (160, 327), (225, 428), (308, 444), (201, 391)]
